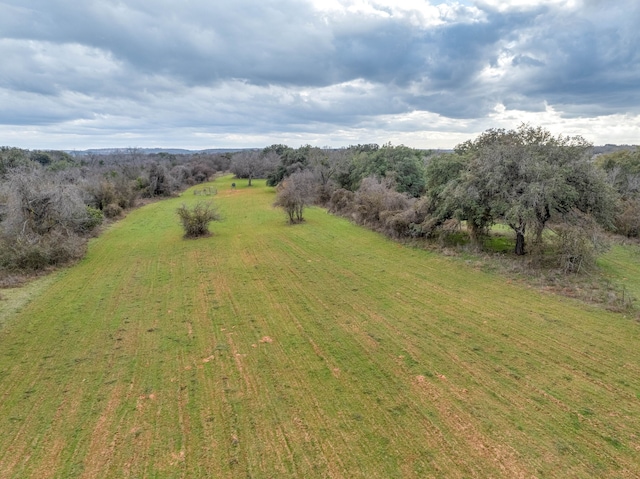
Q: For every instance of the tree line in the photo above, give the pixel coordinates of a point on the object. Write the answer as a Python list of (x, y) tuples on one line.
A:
[(552, 192), (555, 195), (51, 202)]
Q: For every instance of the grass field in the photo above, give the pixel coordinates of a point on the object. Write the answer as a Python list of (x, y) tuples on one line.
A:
[(320, 350), (622, 266)]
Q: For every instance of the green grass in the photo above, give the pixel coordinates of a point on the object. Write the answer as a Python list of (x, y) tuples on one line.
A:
[(621, 265), (315, 350), (13, 299)]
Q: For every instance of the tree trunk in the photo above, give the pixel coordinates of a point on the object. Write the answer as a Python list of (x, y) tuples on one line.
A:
[(519, 243), (474, 233), (541, 222), (520, 230), (250, 177)]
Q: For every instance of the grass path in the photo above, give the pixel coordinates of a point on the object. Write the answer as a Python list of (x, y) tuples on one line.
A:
[(320, 350)]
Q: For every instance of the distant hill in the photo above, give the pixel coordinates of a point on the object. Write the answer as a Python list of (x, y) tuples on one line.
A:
[(597, 150), (608, 148), (150, 151)]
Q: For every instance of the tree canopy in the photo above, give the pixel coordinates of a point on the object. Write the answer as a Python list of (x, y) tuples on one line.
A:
[(523, 178)]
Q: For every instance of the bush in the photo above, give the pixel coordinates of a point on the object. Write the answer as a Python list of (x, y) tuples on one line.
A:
[(195, 221), (34, 253), (627, 221), (576, 246), (101, 193), (112, 210), (341, 202), (376, 200), (93, 218)]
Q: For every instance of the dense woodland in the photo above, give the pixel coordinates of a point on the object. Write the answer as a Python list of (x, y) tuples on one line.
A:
[(554, 193)]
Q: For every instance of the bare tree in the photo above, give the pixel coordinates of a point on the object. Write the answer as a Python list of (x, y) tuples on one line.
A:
[(44, 221), (38, 203), (294, 194), (253, 164)]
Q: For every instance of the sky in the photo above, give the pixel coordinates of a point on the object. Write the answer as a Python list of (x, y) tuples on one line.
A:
[(250, 73)]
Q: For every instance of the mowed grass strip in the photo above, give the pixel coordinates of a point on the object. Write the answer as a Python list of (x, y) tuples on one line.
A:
[(315, 350)]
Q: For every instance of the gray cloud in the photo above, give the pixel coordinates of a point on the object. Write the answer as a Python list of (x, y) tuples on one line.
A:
[(281, 67)]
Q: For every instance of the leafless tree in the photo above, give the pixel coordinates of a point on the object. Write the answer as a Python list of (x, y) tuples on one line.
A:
[(294, 194), (253, 164)]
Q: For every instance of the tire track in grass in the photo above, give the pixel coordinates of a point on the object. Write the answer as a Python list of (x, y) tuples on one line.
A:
[(53, 354), (275, 308), (102, 444), (315, 347), (367, 313), (367, 344), (54, 440), (478, 444), (458, 361), (201, 405), (18, 452), (445, 427)]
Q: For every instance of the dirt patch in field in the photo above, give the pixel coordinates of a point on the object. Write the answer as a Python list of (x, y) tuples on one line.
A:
[(246, 376), (66, 412), (103, 440), (466, 431)]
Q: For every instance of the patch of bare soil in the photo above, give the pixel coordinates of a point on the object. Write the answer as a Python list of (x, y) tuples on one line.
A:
[(103, 441), (502, 455)]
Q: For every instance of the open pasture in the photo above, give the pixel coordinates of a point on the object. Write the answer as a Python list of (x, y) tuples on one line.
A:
[(317, 350)]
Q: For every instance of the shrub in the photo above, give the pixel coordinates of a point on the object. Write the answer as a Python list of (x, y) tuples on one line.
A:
[(39, 204), (577, 245), (627, 221), (195, 221), (93, 218), (101, 193), (398, 224), (112, 210), (376, 200), (341, 202), (34, 253)]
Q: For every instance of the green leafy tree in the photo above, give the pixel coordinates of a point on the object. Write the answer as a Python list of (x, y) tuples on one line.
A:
[(401, 164), (291, 161), (525, 176), (449, 197), (12, 158), (623, 171)]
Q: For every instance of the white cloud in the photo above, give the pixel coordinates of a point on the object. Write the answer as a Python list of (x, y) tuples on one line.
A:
[(510, 5), (418, 13)]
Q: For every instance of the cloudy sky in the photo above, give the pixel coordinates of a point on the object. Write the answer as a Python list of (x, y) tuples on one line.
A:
[(249, 73)]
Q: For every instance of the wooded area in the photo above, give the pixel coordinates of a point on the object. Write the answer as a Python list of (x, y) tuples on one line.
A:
[(552, 192)]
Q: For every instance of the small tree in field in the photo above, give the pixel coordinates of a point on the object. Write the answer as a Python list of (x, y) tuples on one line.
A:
[(294, 193), (195, 221)]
